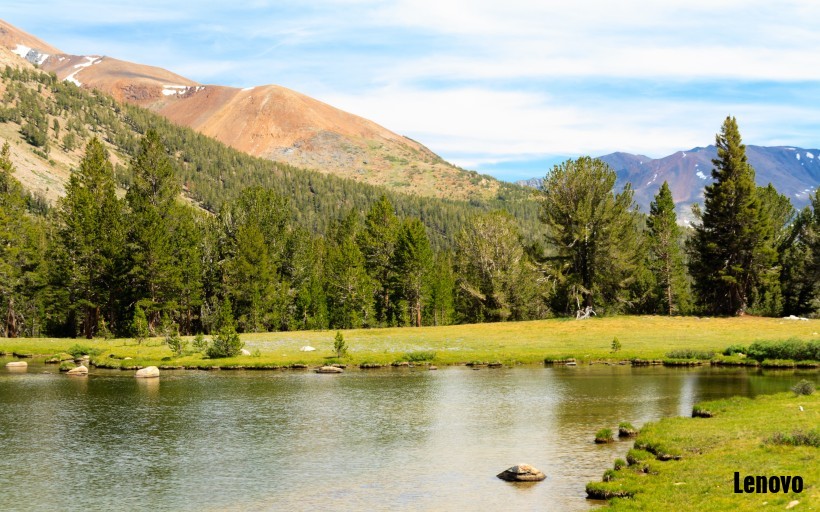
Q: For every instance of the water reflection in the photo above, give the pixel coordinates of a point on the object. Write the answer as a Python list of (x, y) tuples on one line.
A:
[(395, 439)]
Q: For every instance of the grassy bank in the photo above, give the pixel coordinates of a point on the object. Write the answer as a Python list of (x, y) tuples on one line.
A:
[(644, 337), (751, 437)]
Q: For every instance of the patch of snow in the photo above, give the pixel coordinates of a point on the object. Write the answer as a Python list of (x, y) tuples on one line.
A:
[(90, 61), (249, 88), (700, 175), (810, 155), (684, 154), (790, 149), (797, 156), (21, 50), (30, 54), (797, 195), (178, 90)]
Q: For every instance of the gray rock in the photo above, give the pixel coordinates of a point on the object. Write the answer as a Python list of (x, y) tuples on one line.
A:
[(329, 369), (17, 364), (148, 372), (79, 370), (522, 473)]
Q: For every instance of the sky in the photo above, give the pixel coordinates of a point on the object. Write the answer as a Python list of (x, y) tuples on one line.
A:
[(507, 88)]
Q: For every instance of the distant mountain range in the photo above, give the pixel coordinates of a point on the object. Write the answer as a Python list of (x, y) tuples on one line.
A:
[(268, 121), (795, 172)]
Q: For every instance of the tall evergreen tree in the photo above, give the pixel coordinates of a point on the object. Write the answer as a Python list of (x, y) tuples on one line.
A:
[(154, 275), (800, 260), (378, 243), (90, 242), (666, 255), (594, 234), (349, 289), (413, 262), (22, 245), (731, 248)]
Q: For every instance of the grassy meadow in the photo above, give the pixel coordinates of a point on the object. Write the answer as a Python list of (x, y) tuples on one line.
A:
[(645, 337), (744, 436)]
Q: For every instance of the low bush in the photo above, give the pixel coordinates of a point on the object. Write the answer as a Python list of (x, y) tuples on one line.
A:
[(797, 438), (78, 350), (420, 356), (734, 349), (789, 349), (804, 387), (690, 354)]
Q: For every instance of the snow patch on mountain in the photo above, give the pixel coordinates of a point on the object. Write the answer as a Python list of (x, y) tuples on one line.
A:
[(180, 90), (30, 54), (809, 155), (89, 61), (797, 156), (700, 175)]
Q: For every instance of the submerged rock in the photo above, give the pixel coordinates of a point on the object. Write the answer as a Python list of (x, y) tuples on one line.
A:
[(329, 369), (522, 473), (147, 372)]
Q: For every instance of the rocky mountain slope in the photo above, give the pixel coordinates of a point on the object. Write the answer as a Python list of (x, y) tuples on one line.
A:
[(269, 121)]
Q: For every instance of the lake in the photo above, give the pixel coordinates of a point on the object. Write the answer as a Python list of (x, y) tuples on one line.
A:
[(397, 439)]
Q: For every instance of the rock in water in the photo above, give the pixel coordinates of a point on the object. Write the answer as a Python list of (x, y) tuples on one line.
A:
[(80, 370), (147, 372), (16, 364), (329, 369), (522, 473)]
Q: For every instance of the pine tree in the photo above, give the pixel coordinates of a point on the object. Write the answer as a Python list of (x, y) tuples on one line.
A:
[(594, 234), (413, 260), (732, 246), (666, 255), (349, 289), (90, 241), (378, 244), (154, 275)]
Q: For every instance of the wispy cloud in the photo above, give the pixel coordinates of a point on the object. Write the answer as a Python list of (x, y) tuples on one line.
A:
[(483, 82)]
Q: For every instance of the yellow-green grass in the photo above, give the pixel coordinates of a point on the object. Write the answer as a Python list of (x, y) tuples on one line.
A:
[(645, 337), (738, 438)]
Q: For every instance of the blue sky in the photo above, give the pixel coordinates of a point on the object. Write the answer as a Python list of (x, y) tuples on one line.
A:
[(507, 88)]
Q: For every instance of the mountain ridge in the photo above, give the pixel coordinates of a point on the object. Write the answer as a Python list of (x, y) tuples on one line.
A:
[(269, 121)]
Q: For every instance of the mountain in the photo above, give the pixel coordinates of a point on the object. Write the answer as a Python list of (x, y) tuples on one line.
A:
[(795, 172), (269, 121)]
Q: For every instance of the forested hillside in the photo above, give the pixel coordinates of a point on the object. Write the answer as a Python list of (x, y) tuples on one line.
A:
[(57, 117)]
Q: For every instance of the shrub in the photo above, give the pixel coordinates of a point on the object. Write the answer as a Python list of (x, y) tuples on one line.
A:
[(419, 356), (688, 353), (339, 345), (734, 349), (200, 343), (604, 436), (804, 387), (78, 350), (797, 438), (225, 344), (616, 345), (788, 349)]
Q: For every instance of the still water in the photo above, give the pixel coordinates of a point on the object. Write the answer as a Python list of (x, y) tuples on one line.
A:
[(404, 439)]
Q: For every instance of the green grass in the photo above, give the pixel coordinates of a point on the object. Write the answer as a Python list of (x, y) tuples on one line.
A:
[(641, 337), (768, 436)]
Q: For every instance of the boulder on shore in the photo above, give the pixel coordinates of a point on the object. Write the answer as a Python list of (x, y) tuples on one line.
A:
[(307, 348), (79, 370), (329, 369), (522, 473), (16, 364), (147, 373), (245, 352)]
